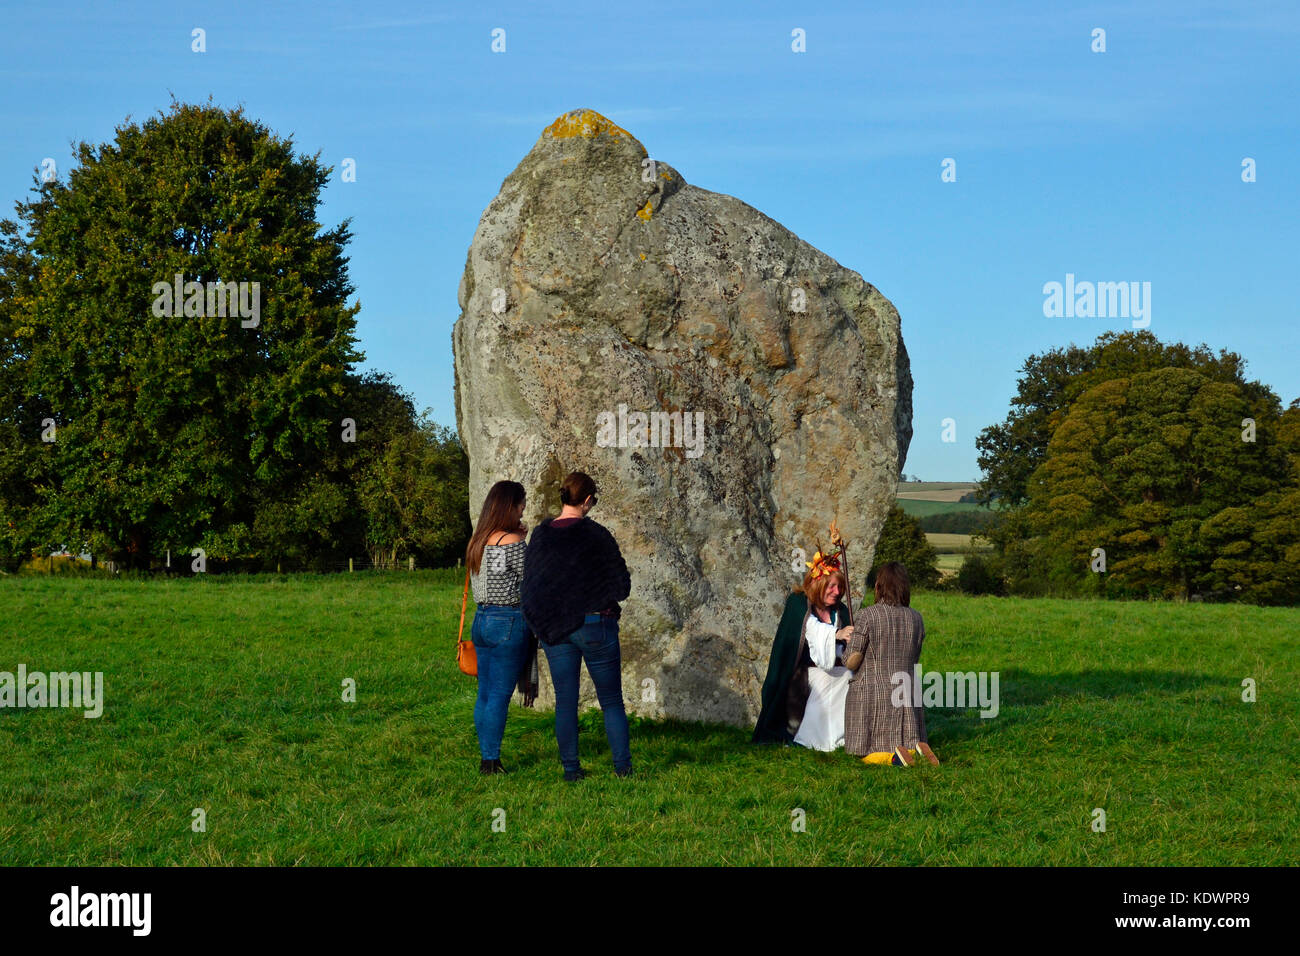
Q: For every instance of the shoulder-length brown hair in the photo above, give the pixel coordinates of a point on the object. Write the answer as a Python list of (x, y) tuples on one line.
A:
[(892, 585), (498, 514), (814, 588)]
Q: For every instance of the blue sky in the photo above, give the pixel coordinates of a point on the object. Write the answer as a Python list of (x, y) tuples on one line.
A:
[(1115, 166)]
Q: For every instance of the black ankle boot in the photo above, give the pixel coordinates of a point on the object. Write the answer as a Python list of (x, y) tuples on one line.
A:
[(485, 766), (497, 768)]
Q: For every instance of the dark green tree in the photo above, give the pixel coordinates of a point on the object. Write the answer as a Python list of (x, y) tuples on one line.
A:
[(185, 428), (415, 497), (409, 478), (1051, 382), (1256, 547), (901, 539), (977, 576), (24, 457), (1140, 467)]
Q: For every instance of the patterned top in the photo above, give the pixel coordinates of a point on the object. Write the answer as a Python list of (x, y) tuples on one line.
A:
[(889, 638), (499, 574)]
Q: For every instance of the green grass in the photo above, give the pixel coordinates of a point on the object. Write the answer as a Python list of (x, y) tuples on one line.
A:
[(949, 563), (920, 508), (225, 694), (953, 549), (946, 543)]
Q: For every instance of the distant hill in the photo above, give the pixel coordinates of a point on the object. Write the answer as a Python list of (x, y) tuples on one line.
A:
[(910, 487), (920, 507), (944, 506)]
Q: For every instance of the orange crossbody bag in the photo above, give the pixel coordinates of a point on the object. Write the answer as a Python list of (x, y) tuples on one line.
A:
[(466, 658)]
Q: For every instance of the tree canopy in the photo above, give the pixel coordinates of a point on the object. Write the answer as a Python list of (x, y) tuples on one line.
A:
[(1174, 481), (177, 355), (901, 539), (1051, 382)]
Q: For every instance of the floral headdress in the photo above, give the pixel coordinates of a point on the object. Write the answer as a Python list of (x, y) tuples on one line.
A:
[(822, 564), (837, 562)]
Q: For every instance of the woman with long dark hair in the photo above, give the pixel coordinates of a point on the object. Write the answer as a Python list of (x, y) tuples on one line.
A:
[(573, 580), (506, 650)]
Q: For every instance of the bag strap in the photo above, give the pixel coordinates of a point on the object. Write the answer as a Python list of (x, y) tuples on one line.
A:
[(464, 598)]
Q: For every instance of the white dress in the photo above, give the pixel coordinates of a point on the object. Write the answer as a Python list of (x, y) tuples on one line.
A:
[(823, 719)]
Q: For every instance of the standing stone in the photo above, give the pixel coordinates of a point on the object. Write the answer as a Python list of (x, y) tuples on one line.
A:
[(601, 287)]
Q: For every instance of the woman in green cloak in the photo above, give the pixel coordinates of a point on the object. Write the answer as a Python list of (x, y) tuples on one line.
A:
[(785, 691)]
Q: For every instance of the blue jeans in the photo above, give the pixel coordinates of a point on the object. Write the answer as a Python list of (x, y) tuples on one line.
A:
[(596, 642), (501, 645)]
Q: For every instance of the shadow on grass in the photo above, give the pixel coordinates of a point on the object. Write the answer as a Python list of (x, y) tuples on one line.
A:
[(1021, 693), (670, 741)]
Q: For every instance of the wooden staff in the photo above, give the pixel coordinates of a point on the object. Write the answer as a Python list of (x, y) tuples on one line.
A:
[(844, 559)]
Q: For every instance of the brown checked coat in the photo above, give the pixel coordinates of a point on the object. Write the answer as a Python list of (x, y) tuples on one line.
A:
[(889, 639)]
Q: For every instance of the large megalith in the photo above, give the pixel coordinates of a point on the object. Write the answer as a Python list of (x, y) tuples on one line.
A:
[(599, 288)]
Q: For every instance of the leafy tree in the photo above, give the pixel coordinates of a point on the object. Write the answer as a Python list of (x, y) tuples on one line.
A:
[(901, 539), (24, 457), (1011, 451), (1140, 467), (415, 496), (1018, 558), (190, 429), (1255, 550), (1256, 547), (1288, 436), (976, 576), (307, 528), (957, 522)]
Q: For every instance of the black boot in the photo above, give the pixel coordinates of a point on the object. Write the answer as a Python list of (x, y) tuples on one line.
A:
[(497, 768), (485, 766)]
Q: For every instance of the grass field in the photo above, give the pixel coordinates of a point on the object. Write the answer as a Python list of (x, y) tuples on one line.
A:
[(948, 494), (224, 694), (920, 487), (920, 508), (952, 549), (961, 544), (949, 562)]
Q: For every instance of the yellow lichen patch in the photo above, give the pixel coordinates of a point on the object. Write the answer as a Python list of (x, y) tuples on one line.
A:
[(646, 211), (643, 257), (585, 123)]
